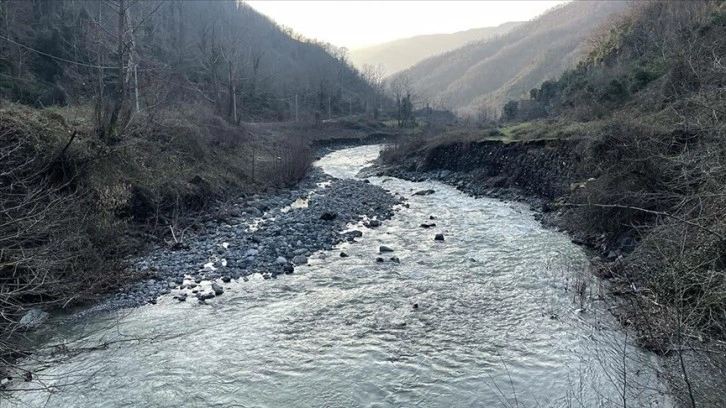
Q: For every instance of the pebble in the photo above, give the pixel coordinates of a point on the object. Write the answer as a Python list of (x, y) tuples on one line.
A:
[(267, 246)]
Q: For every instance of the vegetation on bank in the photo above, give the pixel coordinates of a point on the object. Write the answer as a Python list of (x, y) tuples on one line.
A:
[(120, 121), (645, 113), (72, 207)]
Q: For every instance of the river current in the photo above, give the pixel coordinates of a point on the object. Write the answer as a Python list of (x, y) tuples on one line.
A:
[(488, 318)]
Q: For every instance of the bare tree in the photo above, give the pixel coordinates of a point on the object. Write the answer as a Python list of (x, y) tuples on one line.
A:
[(402, 93)]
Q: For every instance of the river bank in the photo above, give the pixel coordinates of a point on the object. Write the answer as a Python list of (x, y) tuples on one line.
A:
[(264, 234), (557, 179), (484, 317)]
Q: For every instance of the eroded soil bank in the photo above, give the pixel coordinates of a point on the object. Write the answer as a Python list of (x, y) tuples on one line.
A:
[(559, 178)]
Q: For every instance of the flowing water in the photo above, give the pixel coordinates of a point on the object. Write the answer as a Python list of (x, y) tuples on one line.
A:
[(487, 318)]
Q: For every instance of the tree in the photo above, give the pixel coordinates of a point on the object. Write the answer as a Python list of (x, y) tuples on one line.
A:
[(510, 111), (374, 74), (402, 92)]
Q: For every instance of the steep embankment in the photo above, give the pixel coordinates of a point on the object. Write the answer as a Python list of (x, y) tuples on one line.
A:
[(642, 117)]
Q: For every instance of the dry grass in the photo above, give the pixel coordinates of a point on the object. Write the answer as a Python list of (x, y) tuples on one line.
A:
[(71, 206)]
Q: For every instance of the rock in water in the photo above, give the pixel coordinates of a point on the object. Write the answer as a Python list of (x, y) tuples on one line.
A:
[(328, 216), (204, 296), (424, 192), (33, 318), (343, 255), (300, 260), (439, 237), (288, 269), (226, 279), (395, 259), (384, 248), (217, 289), (373, 224), (182, 297), (424, 225)]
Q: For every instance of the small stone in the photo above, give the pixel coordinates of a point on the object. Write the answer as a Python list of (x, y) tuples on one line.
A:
[(439, 237), (415, 305), (373, 223), (424, 192), (343, 255), (205, 296), (281, 260), (431, 217), (395, 259), (380, 260), (182, 297), (424, 225), (217, 289), (226, 279), (300, 260), (328, 216), (288, 269)]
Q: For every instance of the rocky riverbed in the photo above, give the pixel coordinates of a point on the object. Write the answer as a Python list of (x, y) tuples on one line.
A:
[(268, 236)]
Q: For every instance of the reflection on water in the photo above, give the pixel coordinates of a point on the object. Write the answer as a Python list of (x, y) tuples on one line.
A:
[(485, 318)]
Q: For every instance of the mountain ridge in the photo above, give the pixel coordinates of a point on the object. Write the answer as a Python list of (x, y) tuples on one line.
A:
[(484, 74), (397, 55)]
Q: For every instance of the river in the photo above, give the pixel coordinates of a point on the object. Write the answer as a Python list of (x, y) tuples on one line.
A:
[(487, 318)]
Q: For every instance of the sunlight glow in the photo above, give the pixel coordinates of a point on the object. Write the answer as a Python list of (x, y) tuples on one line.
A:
[(358, 23)]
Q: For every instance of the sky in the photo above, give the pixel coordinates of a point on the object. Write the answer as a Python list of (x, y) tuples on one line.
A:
[(357, 23)]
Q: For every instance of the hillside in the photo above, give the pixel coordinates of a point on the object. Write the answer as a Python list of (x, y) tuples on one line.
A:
[(483, 75), (121, 122), (626, 150), (398, 55), (219, 52)]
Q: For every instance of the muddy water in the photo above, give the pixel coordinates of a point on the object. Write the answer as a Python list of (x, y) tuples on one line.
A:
[(487, 318)]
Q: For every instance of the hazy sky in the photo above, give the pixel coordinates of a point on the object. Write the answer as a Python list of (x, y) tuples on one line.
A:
[(354, 23)]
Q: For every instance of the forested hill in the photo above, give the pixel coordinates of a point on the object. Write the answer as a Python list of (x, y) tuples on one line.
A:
[(398, 55), (486, 74), (220, 52)]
